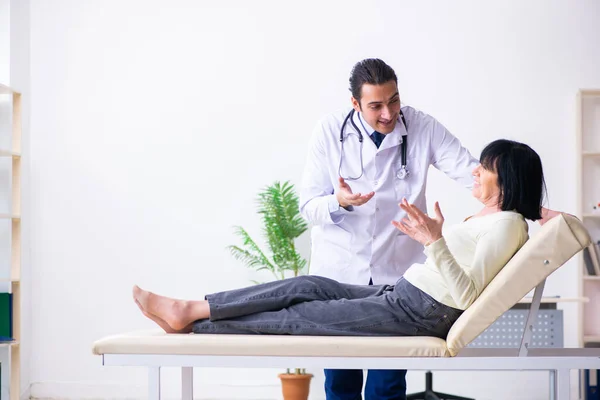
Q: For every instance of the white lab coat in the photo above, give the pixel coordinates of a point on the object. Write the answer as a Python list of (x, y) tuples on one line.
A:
[(355, 246)]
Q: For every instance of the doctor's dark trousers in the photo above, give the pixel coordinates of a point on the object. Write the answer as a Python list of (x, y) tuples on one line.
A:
[(382, 384), (314, 305)]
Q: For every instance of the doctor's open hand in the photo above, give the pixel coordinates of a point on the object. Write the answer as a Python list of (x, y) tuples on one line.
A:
[(346, 198), (419, 225)]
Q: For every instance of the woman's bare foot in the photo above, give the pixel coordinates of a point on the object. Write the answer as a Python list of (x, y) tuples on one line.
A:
[(162, 323), (178, 314)]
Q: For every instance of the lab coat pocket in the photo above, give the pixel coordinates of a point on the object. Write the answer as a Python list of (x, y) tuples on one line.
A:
[(331, 247), (410, 184)]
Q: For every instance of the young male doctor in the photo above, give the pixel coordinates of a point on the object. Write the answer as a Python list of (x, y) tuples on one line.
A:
[(361, 163)]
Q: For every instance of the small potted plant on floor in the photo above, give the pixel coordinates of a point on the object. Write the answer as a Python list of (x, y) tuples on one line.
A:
[(282, 225)]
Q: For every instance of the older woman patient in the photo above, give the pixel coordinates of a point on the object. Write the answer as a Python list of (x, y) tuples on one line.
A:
[(426, 301)]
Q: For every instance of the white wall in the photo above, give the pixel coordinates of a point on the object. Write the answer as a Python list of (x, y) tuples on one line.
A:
[(4, 40), (154, 126)]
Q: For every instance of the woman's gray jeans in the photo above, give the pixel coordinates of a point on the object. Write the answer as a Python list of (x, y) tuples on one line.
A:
[(313, 305)]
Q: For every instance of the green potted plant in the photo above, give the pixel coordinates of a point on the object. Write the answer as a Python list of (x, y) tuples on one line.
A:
[(282, 225)]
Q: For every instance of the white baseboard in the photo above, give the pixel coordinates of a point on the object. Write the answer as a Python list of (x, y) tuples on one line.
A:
[(96, 391), (259, 391)]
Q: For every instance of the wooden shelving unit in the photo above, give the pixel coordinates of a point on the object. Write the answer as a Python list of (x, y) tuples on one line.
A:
[(15, 268), (588, 144)]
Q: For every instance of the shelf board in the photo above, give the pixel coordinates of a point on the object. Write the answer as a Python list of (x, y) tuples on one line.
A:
[(557, 300), (591, 338), (590, 92), (9, 216), (591, 215), (15, 280), (9, 344), (5, 89), (9, 153), (591, 278), (591, 154)]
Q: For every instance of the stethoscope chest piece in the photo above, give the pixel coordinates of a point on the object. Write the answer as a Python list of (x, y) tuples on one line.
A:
[(402, 172)]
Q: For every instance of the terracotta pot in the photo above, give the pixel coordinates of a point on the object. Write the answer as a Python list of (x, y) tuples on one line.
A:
[(295, 386)]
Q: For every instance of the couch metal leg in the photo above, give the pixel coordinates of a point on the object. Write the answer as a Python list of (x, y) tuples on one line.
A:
[(187, 383), (552, 384), (153, 383)]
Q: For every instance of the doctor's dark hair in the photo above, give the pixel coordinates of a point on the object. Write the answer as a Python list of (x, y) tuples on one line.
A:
[(520, 176), (372, 71)]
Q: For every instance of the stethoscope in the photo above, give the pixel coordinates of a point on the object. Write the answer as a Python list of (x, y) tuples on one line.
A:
[(402, 172)]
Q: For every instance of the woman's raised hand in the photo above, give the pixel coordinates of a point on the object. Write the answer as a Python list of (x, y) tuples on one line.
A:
[(419, 225)]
